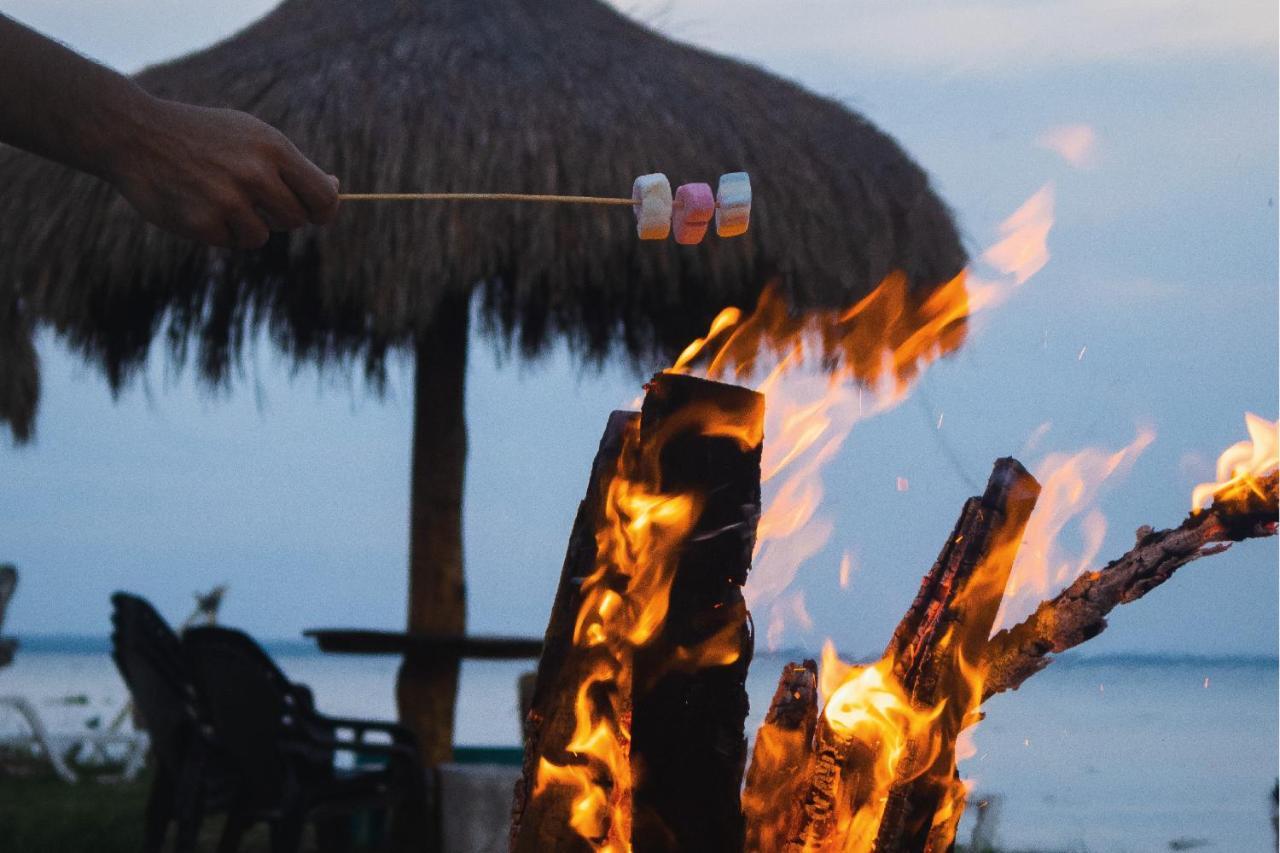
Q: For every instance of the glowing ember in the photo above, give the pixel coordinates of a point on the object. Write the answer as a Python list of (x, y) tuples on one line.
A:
[(1241, 464), (846, 570)]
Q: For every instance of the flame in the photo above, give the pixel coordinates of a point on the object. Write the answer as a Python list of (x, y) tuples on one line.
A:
[(1241, 464), (1075, 143), (1023, 249), (790, 609), (624, 603), (821, 372), (868, 704), (846, 569), (1070, 485)]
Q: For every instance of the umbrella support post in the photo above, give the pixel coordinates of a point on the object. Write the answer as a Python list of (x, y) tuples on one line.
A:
[(426, 689)]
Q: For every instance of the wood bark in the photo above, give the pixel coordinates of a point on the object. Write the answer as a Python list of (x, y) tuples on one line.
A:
[(427, 685), (943, 633), (773, 797), (1079, 612), (837, 773), (541, 824), (688, 744), (683, 691)]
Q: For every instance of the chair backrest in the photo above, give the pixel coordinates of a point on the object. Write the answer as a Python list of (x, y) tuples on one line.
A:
[(255, 712), (149, 656), (8, 583)]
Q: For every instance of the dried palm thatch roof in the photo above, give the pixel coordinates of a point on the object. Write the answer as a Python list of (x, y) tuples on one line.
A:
[(19, 373), (561, 96)]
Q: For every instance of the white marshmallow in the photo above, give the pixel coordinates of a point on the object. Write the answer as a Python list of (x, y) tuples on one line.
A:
[(733, 204), (652, 197)]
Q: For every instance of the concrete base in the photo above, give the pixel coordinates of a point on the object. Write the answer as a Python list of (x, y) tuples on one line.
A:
[(476, 805)]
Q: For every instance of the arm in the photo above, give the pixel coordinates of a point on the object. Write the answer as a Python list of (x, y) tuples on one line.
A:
[(218, 176)]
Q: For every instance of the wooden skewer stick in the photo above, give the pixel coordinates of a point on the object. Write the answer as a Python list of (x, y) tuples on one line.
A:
[(541, 199), (544, 199)]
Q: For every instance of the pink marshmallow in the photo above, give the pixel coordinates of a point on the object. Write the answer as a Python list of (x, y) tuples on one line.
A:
[(694, 208)]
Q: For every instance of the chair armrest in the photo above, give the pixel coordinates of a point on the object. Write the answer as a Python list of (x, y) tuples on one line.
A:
[(399, 734), (310, 747), (303, 699)]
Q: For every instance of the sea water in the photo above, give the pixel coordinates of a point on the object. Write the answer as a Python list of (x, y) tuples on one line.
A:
[(1108, 755)]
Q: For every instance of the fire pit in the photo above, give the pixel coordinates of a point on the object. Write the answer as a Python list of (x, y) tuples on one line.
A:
[(635, 739)]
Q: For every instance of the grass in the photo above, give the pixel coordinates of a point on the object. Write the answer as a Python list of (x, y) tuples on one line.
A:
[(40, 813)]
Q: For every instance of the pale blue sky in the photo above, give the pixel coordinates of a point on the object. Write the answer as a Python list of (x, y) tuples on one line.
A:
[(1164, 268)]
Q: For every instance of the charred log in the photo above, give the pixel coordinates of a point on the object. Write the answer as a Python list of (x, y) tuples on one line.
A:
[(540, 824), (838, 773), (941, 637), (773, 797), (1079, 612), (688, 744), (941, 634), (677, 701)]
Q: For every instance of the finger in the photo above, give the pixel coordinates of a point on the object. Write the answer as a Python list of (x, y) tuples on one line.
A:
[(316, 190), (210, 230), (282, 209), (248, 231), (219, 236)]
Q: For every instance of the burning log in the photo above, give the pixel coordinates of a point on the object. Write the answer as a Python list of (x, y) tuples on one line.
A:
[(839, 771), (688, 744), (540, 823), (643, 676), (941, 637), (926, 672), (1079, 612), (772, 799)]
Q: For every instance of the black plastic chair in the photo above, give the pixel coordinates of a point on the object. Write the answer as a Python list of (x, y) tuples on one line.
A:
[(190, 779), (282, 750)]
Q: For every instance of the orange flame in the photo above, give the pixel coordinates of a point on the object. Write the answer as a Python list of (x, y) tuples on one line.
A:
[(862, 361), (867, 704), (1023, 249), (1070, 485), (1241, 464), (624, 603)]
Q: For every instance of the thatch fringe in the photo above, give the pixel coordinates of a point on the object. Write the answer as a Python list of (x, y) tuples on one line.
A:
[(518, 95), (19, 372)]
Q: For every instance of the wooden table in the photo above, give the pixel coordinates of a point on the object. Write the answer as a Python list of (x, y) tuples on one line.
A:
[(355, 641)]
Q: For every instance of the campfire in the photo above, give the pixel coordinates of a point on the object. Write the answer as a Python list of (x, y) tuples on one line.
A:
[(635, 739)]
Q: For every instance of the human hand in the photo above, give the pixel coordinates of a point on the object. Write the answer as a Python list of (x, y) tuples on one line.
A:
[(218, 176)]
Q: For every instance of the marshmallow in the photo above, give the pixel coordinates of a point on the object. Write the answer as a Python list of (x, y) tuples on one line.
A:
[(733, 204), (652, 197), (694, 207)]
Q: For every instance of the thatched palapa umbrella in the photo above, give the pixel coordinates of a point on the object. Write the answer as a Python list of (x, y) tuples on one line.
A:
[(540, 96)]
